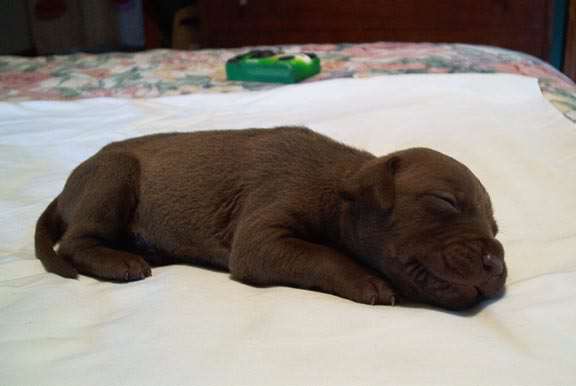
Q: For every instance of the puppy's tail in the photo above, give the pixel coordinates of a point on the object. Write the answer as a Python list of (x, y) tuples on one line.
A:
[(49, 230)]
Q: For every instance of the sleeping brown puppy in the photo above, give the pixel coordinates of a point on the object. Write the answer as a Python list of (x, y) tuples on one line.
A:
[(283, 206)]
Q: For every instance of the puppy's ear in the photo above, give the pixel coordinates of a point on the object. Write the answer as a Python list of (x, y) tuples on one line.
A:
[(373, 184)]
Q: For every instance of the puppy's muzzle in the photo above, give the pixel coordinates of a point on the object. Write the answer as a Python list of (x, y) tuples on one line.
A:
[(478, 263)]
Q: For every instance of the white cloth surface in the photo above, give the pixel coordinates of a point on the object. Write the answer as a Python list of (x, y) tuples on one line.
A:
[(190, 326)]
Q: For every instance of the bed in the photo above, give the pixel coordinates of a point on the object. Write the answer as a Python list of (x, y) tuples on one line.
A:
[(508, 116)]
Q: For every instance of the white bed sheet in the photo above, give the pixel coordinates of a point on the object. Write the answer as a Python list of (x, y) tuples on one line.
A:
[(190, 326)]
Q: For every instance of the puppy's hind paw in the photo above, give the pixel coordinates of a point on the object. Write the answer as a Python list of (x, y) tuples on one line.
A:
[(136, 268), (116, 266)]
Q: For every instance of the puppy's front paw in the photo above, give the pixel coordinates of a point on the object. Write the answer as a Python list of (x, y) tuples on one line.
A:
[(372, 290), (377, 291)]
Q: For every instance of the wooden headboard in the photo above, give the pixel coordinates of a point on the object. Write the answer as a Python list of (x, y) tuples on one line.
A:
[(524, 25)]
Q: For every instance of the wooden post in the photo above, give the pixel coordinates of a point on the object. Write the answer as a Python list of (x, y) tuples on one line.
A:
[(570, 49)]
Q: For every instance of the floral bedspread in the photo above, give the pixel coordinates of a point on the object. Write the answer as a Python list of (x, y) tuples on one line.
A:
[(168, 72)]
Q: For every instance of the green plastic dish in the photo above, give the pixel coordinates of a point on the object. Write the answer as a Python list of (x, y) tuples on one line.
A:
[(270, 66)]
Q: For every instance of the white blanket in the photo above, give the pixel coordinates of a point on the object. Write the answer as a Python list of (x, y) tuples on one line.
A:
[(190, 326)]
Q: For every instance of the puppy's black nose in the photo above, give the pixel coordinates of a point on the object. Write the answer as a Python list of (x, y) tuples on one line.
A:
[(493, 264)]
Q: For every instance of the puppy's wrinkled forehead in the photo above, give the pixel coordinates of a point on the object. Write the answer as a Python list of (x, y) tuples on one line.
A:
[(425, 170)]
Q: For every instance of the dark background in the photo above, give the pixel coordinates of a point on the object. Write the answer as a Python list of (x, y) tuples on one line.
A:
[(38, 27)]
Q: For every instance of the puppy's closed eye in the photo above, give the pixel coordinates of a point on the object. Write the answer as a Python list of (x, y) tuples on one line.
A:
[(443, 202)]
